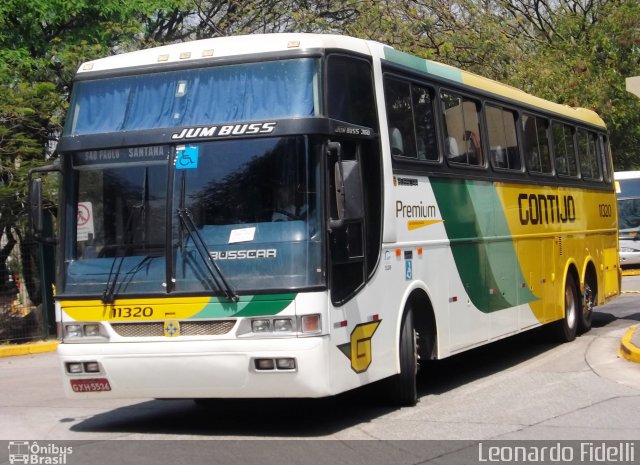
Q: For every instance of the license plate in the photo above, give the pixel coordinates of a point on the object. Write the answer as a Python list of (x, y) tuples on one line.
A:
[(90, 385)]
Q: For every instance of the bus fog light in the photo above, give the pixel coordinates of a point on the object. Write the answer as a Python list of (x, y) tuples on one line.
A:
[(283, 326), (73, 330), (261, 326), (91, 367), (74, 367), (310, 324), (286, 363), (264, 364), (92, 330)]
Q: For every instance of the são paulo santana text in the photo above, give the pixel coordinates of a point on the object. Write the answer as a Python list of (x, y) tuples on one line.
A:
[(585, 452)]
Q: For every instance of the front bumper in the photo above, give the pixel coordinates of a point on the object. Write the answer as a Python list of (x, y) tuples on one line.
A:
[(201, 369)]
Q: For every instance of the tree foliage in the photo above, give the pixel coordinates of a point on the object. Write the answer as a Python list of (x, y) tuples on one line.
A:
[(576, 52)]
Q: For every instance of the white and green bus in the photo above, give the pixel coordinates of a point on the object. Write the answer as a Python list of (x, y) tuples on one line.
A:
[(296, 215)]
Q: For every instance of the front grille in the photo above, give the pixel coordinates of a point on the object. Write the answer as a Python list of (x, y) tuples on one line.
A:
[(187, 328)]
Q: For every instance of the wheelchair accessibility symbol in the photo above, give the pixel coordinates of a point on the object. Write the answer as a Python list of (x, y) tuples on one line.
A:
[(187, 157)]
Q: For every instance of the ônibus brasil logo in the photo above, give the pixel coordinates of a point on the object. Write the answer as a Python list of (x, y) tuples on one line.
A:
[(33, 453)]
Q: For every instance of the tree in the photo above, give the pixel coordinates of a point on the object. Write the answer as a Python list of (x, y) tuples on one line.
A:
[(42, 43)]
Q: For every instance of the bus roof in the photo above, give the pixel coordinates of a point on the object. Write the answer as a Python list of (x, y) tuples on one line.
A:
[(220, 47), (627, 174)]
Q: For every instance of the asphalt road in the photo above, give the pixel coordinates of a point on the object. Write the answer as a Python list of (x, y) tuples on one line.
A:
[(520, 388)]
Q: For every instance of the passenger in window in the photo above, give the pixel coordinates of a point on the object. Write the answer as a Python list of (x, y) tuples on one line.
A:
[(474, 150), (499, 157), (451, 149), (285, 205), (397, 145)]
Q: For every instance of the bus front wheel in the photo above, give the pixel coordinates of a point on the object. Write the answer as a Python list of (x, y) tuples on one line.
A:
[(404, 391)]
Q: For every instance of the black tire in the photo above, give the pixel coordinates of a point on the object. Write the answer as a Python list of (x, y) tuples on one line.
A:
[(567, 328), (589, 300), (404, 391)]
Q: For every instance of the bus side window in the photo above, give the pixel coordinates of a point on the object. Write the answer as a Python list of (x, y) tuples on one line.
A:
[(462, 130), (424, 120), (400, 117), (535, 142), (350, 96), (501, 126), (564, 149), (605, 157), (411, 120), (589, 163)]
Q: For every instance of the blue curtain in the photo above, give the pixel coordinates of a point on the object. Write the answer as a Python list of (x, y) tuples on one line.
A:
[(216, 95)]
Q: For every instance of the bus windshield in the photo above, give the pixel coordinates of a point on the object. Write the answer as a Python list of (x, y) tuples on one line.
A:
[(628, 203), (230, 93), (254, 203)]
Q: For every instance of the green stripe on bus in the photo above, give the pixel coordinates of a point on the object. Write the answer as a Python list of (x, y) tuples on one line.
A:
[(481, 244), (420, 64), (260, 305)]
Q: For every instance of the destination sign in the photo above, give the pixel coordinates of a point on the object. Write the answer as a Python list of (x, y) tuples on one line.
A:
[(122, 155)]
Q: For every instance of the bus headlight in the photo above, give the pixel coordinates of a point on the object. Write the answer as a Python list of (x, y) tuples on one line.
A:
[(261, 326), (283, 325), (78, 331), (91, 330), (72, 331), (305, 325)]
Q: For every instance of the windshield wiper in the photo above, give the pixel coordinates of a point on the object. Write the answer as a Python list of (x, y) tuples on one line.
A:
[(108, 295), (201, 247)]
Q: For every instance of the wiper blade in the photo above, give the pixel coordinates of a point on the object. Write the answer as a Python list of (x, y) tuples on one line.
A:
[(201, 247), (108, 295)]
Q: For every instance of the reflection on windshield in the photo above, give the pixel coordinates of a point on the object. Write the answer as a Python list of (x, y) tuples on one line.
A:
[(120, 232), (256, 205), (121, 211), (628, 213), (229, 93), (255, 210)]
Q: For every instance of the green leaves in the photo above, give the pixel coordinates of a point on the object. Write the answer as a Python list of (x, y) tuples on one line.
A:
[(570, 51)]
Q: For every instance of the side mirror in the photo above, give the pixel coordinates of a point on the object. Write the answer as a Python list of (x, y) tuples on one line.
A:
[(35, 206), (38, 224), (349, 190)]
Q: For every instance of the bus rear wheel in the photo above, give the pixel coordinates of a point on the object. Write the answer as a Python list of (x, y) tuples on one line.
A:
[(589, 300), (567, 328), (404, 391)]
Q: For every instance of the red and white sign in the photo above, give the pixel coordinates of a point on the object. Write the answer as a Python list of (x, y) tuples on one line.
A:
[(85, 221)]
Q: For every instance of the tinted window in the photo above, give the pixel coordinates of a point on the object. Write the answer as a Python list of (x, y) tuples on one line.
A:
[(564, 150), (587, 146), (350, 95), (503, 143), (218, 94), (410, 118), (536, 144), (461, 130), (605, 157)]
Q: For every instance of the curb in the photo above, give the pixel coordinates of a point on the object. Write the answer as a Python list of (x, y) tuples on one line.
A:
[(627, 348), (631, 272), (27, 349)]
